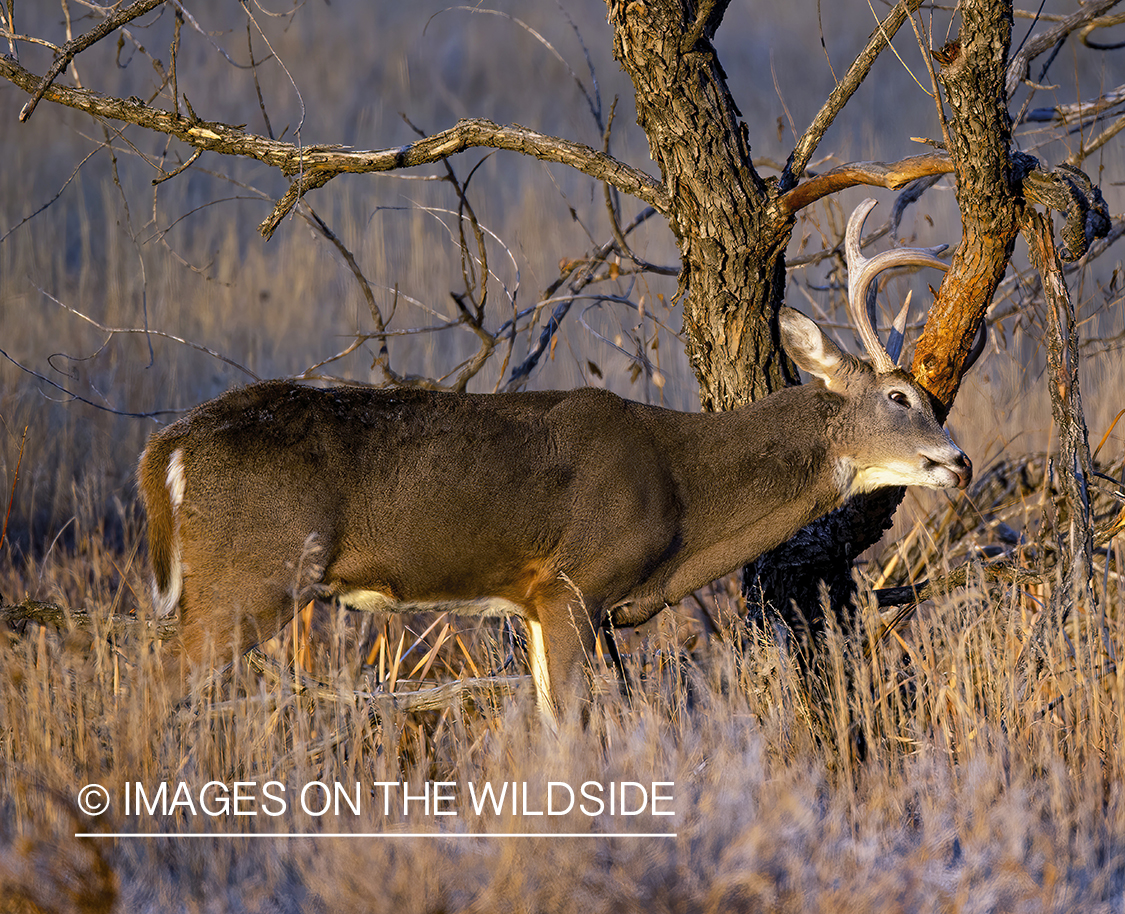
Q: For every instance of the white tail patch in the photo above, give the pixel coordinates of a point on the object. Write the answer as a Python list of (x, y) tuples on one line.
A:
[(166, 602), (175, 479)]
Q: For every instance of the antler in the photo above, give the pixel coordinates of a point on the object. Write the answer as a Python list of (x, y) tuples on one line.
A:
[(861, 288), (978, 347)]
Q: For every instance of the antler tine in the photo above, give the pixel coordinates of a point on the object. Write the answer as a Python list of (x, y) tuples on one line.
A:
[(898, 329), (861, 285), (978, 347), (859, 278)]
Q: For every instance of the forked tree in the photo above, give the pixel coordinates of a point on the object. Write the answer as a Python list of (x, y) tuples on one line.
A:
[(732, 225)]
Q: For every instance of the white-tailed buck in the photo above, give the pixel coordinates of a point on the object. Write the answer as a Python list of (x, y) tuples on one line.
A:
[(559, 507)]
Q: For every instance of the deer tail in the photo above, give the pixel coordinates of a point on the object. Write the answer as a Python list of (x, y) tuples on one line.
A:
[(160, 477)]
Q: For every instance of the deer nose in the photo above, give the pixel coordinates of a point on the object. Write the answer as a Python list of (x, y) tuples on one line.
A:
[(962, 468)]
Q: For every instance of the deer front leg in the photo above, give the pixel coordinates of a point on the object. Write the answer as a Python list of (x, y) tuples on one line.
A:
[(561, 636)]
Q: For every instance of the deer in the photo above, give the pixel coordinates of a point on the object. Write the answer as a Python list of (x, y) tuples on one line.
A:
[(568, 509)]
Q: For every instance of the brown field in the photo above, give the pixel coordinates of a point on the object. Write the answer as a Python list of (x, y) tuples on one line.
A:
[(940, 767)]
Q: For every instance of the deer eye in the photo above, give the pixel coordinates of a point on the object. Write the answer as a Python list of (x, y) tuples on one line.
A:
[(899, 397)]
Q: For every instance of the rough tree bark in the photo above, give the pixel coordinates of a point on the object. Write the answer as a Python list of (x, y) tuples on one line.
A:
[(730, 230), (732, 226), (979, 130)]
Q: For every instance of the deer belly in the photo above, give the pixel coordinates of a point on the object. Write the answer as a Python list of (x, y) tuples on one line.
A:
[(380, 601)]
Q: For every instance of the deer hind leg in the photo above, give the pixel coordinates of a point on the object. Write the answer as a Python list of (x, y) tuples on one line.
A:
[(218, 624), (614, 653), (225, 609), (540, 671)]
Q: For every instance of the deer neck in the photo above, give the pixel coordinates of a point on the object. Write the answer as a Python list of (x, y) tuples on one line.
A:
[(750, 478)]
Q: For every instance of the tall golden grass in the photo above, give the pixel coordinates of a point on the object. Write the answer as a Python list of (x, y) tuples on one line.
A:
[(938, 767), (936, 773)]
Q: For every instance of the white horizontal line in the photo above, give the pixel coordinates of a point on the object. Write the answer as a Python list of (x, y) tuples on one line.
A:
[(398, 834)]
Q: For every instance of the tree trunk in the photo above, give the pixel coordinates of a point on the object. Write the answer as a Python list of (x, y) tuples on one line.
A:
[(989, 194), (732, 236)]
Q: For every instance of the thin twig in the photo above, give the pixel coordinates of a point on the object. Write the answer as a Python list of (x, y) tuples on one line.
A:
[(69, 50)]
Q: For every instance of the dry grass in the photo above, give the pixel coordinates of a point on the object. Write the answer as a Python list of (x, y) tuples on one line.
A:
[(941, 772), (936, 775)]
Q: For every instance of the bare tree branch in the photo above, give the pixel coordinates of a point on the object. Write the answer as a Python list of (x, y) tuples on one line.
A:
[(315, 166), (1107, 22), (877, 174), (1075, 585), (576, 276), (79, 44), (1078, 111), (857, 72), (1020, 63)]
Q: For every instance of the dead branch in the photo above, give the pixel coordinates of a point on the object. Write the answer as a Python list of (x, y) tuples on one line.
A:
[(576, 276), (1020, 64), (1000, 571), (1077, 111), (857, 72), (314, 166), (61, 619), (75, 46), (433, 698), (1072, 193), (1103, 23), (1076, 569), (893, 175), (910, 596)]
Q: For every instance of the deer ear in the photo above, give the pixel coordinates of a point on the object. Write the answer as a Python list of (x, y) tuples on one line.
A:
[(814, 353)]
